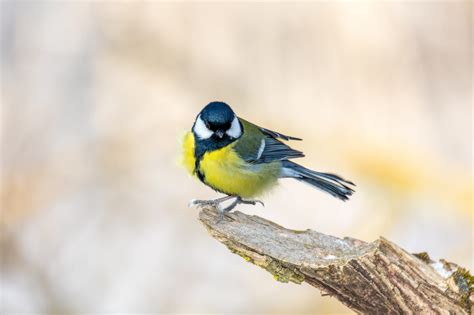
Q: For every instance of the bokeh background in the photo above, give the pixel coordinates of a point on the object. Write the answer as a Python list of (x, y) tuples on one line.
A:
[(96, 95)]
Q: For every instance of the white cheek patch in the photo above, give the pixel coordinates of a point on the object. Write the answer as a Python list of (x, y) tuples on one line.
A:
[(201, 130), (235, 131)]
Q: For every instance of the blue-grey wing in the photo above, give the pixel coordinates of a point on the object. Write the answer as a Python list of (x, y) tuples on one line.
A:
[(278, 135), (272, 149), (259, 145)]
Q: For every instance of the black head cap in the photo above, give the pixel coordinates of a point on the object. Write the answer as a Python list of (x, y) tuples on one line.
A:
[(217, 115)]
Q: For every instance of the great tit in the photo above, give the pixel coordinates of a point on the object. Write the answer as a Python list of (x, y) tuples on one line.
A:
[(243, 160)]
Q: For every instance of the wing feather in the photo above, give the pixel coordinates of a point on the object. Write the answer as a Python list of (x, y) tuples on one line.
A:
[(278, 135), (259, 145), (276, 150)]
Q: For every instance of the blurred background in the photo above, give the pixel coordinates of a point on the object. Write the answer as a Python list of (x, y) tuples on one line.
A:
[(95, 99)]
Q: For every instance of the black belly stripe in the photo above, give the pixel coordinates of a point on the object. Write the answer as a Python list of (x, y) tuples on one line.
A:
[(207, 145), (199, 154), (201, 176)]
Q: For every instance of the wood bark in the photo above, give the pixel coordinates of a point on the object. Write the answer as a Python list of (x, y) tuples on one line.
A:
[(377, 277)]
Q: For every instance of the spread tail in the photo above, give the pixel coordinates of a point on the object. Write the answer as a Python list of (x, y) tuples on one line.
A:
[(330, 183)]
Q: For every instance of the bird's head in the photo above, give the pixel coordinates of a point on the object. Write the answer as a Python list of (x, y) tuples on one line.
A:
[(217, 120)]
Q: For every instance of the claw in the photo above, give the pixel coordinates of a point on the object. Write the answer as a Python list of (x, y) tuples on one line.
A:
[(251, 202), (192, 203)]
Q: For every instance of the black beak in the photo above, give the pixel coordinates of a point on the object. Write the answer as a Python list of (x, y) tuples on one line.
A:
[(220, 133)]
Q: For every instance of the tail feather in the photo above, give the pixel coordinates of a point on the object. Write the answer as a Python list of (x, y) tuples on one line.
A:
[(330, 183)]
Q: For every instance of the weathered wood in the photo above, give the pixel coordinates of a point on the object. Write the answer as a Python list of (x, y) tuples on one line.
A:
[(377, 277)]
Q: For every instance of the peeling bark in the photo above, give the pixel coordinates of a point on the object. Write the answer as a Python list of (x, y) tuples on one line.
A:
[(376, 277)]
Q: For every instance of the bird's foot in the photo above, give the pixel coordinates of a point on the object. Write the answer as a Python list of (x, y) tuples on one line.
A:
[(251, 202), (203, 203), (216, 203), (229, 208)]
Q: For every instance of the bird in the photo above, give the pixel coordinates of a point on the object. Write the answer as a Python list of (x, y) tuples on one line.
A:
[(243, 161)]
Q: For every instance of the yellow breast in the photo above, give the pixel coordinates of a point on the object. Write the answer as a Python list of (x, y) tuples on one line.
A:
[(188, 159), (226, 172)]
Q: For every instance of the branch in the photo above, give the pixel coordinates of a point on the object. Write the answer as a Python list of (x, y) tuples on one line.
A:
[(377, 277)]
